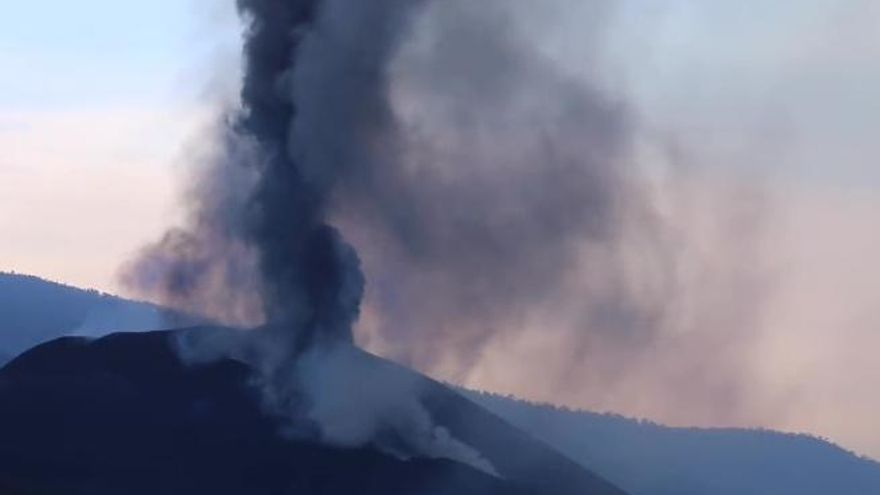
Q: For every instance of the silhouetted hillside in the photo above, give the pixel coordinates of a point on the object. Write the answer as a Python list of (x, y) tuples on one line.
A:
[(33, 311), (641, 457), (648, 459), (122, 414)]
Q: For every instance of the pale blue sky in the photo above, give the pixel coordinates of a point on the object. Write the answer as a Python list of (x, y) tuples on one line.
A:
[(57, 54), (97, 99)]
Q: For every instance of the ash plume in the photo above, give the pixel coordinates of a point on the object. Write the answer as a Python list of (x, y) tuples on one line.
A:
[(489, 192), (259, 243), (259, 247)]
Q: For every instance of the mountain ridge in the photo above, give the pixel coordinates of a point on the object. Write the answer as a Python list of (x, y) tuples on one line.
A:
[(616, 440), (79, 413), (25, 321), (646, 458)]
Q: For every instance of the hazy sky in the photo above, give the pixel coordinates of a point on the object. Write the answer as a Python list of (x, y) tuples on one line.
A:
[(100, 98)]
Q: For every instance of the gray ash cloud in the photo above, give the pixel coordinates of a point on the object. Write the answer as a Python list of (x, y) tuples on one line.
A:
[(487, 191)]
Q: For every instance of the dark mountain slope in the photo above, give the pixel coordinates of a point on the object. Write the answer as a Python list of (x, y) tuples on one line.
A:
[(644, 458), (648, 459), (515, 454), (123, 415)]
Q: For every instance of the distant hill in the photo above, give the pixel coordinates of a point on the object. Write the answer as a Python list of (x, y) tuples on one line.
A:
[(641, 457), (123, 415), (644, 458), (33, 310)]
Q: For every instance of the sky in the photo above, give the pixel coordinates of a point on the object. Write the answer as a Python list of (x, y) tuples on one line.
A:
[(102, 102), (97, 104)]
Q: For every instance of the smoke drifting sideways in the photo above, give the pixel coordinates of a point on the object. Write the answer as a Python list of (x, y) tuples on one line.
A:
[(522, 230), (488, 192)]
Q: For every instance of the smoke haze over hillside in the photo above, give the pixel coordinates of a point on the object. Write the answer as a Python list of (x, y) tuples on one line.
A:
[(535, 208)]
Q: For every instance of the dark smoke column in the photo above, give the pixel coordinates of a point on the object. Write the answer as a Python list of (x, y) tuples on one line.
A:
[(470, 171), (312, 283), (258, 246)]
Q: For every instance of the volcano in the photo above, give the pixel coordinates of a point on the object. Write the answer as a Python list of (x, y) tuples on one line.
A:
[(124, 414)]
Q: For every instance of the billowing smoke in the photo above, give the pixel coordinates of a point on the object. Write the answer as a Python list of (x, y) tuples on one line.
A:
[(489, 191), (522, 228), (259, 247), (499, 172)]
